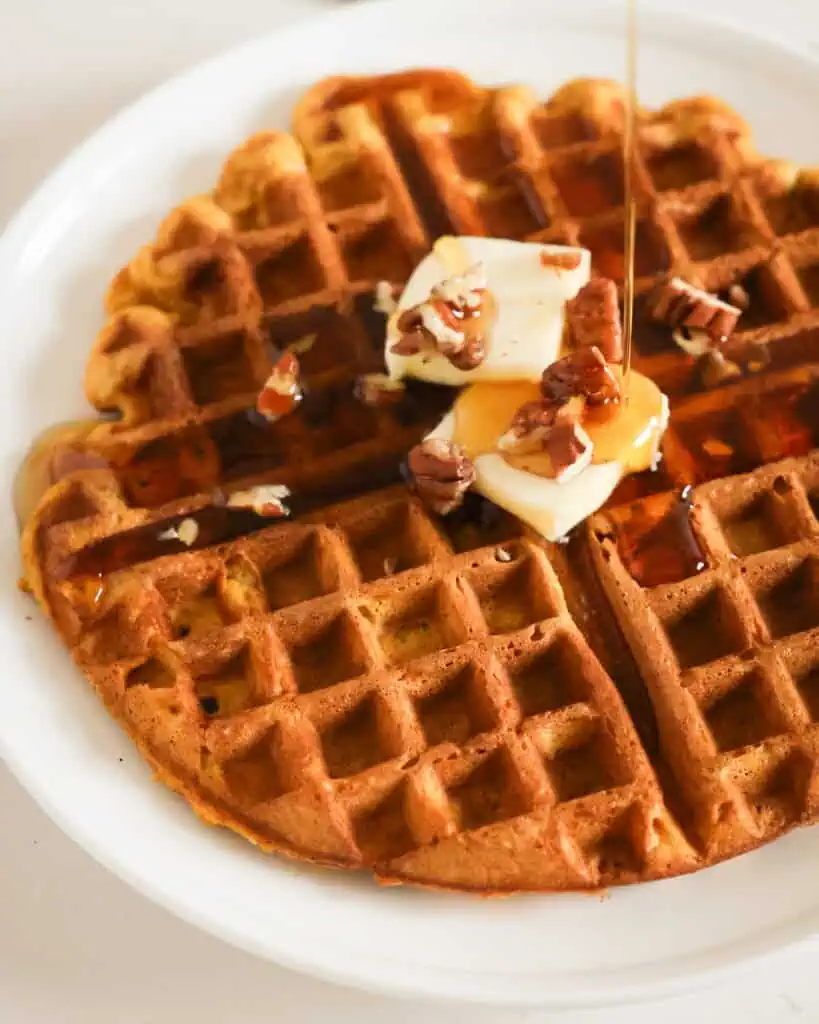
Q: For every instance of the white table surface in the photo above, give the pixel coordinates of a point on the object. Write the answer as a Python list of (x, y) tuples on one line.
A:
[(77, 946)]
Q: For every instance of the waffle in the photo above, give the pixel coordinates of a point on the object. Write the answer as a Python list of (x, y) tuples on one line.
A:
[(718, 594), (451, 702)]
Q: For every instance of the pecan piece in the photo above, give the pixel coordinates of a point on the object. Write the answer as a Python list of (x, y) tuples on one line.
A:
[(553, 425), (529, 427), (693, 342), (441, 474), (378, 389), (264, 499), (569, 448), (185, 532), (593, 318), (583, 373), (715, 369), (446, 321), (282, 391), (679, 304)]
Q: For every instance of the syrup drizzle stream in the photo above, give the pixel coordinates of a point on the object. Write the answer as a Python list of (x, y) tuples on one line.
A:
[(630, 218)]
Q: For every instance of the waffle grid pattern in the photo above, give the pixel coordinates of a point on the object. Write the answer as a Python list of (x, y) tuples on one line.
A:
[(279, 255), (727, 642), (419, 694), (184, 388), (709, 209), (367, 686)]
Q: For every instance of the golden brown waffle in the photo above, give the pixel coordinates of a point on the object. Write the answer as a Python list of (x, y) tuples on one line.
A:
[(710, 210), (369, 685), (351, 690), (717, 592)]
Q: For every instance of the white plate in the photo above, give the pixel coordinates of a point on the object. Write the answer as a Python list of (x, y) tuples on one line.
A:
[(54, 262)]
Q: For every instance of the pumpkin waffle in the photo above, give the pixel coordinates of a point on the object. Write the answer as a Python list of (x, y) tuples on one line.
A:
[(441, 701), (717, 593), (710, 209)]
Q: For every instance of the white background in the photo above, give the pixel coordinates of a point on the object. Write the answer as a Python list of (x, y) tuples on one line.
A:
[(76, 945)]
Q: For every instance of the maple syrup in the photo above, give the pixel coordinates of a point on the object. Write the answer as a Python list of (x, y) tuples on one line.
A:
[(56, 452), (219, 523), (630, 210), (657, 542), (628, 434), (245, 446)]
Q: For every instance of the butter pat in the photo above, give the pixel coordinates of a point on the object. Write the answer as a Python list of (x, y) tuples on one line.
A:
[(529, 294), (552, 507)]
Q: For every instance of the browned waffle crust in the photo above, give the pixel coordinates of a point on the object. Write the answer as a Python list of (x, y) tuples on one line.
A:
[(451, 702)]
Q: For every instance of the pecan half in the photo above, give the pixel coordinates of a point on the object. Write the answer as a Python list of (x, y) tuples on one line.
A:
[(593, 318), (679, 304), (441, 474), (583, 373), (282, 391)]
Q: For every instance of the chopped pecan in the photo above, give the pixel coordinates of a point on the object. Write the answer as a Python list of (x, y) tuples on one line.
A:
[(569, 448), (582, 373), (693, 342), (679, 304), (593, 318), (553, 425), (282, 391), (264, 499), (185, 532), (378, 389), (715, 369), (529, 427), (446, 322), (441, 474)]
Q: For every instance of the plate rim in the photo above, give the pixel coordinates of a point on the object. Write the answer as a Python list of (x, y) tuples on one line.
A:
[(23, 230)]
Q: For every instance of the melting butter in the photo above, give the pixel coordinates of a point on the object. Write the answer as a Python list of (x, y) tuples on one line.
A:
[(626, 439), (624, 432), (529, 319)]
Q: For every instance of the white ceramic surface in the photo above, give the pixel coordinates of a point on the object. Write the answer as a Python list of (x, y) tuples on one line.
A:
[(54, 261)]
